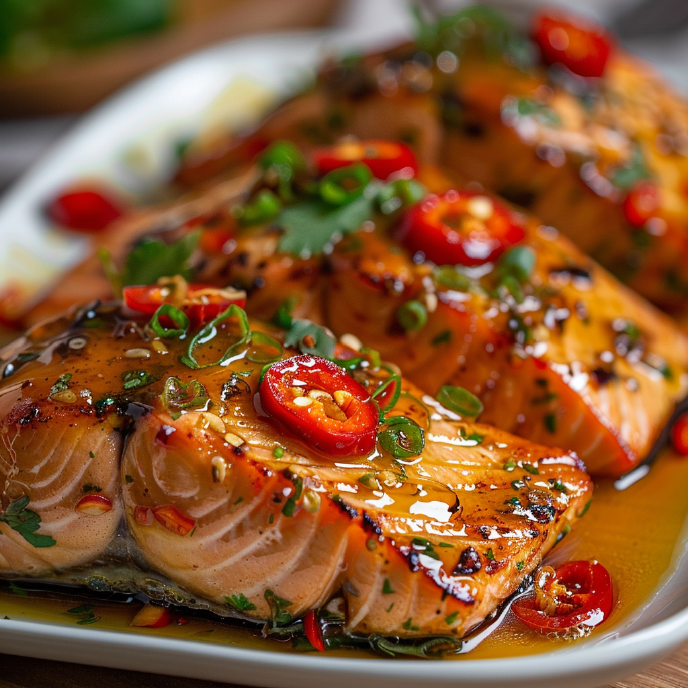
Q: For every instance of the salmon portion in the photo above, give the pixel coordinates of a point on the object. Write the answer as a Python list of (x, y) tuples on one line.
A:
[(568, 150), (229, 505)]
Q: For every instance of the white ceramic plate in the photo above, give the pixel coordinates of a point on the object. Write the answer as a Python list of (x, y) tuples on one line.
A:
[(150, 116)]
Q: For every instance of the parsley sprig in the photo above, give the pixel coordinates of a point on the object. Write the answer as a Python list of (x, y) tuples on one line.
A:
[(25, 522)]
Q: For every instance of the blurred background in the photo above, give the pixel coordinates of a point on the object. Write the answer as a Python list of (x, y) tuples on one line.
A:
[(58, 58)]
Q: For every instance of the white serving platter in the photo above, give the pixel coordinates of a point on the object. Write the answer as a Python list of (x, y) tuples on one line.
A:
[(149, 117)]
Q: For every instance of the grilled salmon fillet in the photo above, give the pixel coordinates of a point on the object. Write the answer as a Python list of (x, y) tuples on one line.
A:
[(231, 505), (578, 361), (574, 151)]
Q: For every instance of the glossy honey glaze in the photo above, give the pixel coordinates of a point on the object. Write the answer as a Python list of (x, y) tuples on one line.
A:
[(637, 559), (635, 533)]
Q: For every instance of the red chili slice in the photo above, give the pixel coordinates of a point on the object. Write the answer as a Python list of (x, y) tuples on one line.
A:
[(85, 209), (679, 435), (317, 401), (586, 599), (384, 158), (641, 203), (459, 227), (579, 44), (174, 520), (201, 304), (311, 627)]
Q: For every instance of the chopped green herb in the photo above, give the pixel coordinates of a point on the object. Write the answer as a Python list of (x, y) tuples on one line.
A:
[(16, 590), (271, 519), (240, 602), (520, 565), (559, 486), (151, 260), (136, 379), (425, 546), (85, 611), (533, 470), (514, 501), (490, 555), (451, 276), (298, 336), (291, 503), (282, 317), (238, 500), (25, 522), (446, 544), (311, 226), (442, 338), (62, 384), (409, 626), (517, 484), (278, 452), (128, 479), (387, 588), (449, 620), (278, 606), (509, 466), (369, 480), (92, 455), (550, 421), (90, 487), (389, 609)]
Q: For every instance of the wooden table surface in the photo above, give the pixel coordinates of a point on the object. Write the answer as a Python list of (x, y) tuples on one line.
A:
[(20, 672)]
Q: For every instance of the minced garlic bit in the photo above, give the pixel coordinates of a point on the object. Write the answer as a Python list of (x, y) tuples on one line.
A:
[(210, 420), (234, 440), (137, 353), (430, 302), (303, 401), (219, 469), (66, 396), (159, 347)]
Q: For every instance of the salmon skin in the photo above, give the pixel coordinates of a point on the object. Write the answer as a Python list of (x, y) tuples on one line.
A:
[(117, 456), (568, 149)]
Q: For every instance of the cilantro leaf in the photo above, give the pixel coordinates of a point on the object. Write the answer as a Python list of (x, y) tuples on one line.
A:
[(25, 522), (322, 343), (311, 226), (151, 260), (239, 602)]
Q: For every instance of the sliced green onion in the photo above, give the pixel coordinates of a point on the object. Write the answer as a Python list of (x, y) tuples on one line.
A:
[(263, 349), (210, 330), (412, 315), (373, 356), (178, 395), (460, 401), (282, 153), (400, 194), (283, 317), (332, 189), (264, 206), (403, 438), (518, 261), (449, 276), (177, 317), (396, 393)]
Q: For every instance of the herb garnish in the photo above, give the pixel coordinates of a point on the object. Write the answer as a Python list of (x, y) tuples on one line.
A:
[(278, 606), (86, 612), (179, 320), (240, 602), (62, 384), (25, 522), (136, 379), (310, 338), (178, 395), (151, 260)]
